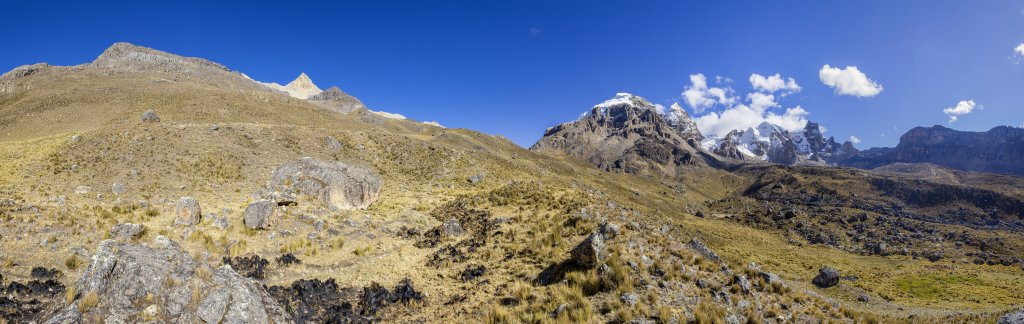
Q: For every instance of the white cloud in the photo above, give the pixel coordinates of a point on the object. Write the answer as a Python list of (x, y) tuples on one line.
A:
[(1018, 52), (660, 108), (849, 81), (761, 101), (962, 108), (773, 83), (699, 96), (743, 116), (854, 139)]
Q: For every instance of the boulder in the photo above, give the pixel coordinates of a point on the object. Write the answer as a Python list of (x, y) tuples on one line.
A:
[(83, 190), (163, 283), (1016, 317), (451, 227), (591, 252), (332, 143), (127, 231), (703, 250), (609, 230), (476, 178), (149, 116), (260, 214), (339, 185), (187, 212), (827, 277), (118, 188)]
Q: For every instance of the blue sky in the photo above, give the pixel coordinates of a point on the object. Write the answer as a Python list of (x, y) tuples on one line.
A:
[(517, 67)]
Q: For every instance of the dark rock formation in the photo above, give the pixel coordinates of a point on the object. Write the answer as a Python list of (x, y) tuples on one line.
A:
[(827, 277), (999, 150), (627, 133)]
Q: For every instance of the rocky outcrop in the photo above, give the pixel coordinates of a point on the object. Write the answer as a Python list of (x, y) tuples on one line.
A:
[(337, 184), (130, 57), (591, 252), (998, 150), (627, 133), (135, 283), (337, 100), (260, 214), (187, 211), (827, 277)]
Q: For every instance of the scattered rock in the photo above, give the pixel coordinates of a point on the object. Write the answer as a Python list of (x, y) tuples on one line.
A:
[(122, 274), (127, 231), (332, 143), (83, 190), (149, 116), (76, 138), (863, 298), (187, 212), (827, 277), (451, 228), (629, 299), (742, 281), (222, 222), (260, 214), (703, 250), (476, 178), (339, 185), (591, 252), (118, 188), (609, 230)]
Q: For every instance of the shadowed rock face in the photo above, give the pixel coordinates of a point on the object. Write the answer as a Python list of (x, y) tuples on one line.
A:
[(339, 185), (136, 283), (628, 134), (999, 150), (337, 100)]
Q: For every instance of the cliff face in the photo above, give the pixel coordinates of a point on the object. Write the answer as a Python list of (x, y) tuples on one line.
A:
[(628, 134), (999, 150)]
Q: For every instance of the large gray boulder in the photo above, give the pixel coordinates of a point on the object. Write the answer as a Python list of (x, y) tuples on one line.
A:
[(1016, 317), (260, 214), (137, 283), (591, 252), (187, 212), (339, 185), (127, 231), (827, 277)]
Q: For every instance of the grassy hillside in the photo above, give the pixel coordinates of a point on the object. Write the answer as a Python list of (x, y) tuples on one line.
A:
[(530, 210)]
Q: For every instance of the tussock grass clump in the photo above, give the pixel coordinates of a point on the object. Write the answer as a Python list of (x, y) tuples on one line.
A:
[(72, 261), (707, 312), (91, 300)]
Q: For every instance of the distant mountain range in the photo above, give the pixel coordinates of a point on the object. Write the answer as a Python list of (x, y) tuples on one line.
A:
[(630, 134), (998, 150)]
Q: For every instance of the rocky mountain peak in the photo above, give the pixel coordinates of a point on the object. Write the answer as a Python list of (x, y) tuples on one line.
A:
[(131, 57), (630, 134), (335, 99), (681, 121)]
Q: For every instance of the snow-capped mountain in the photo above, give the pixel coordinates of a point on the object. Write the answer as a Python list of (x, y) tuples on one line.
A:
[(302, 87), (630, 134), (772, 143)]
